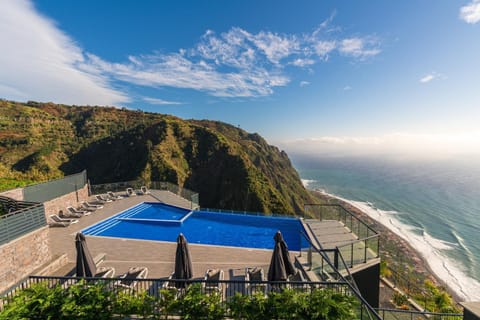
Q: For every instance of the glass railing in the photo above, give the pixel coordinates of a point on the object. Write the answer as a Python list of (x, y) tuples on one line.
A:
[(46, 191), (362, 250), (26, 218), (184, 193)]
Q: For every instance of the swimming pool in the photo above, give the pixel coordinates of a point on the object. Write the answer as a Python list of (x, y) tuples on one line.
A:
[(162, 222)]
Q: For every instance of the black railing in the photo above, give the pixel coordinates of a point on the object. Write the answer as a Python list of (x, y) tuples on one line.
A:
[(326, 265), (396, 314), (226, 289)]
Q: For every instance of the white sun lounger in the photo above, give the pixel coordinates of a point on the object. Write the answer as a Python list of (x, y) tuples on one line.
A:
[(114, 196), (69, 214), (87, 205), (75, 210), (129, 279), (61, 222), (144, 190), (100, 198), (130, 192)]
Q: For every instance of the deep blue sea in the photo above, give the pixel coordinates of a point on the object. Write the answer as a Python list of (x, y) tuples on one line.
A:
[(433, 204)]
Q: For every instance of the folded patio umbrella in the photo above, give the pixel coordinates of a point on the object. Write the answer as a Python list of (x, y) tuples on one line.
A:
[(85, 266), (280, 266), (183, 263)]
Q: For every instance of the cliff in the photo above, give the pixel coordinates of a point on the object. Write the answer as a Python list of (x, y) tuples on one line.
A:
[(229, 167)]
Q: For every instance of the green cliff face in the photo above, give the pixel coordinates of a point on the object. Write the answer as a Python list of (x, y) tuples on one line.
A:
[(230, 168)]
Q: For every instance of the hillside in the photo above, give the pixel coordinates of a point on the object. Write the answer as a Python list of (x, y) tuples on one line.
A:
[(229, 167)]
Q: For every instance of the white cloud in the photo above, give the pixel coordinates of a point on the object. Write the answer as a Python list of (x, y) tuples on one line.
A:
[(158, 101), (471, 12), (427, 78), (42, 63), (347, 88), (302, 62), (304, 83), (394, 144), (177, 71), (359, 47), (39, 62), (432, 76), (323, 48), (274, 46)]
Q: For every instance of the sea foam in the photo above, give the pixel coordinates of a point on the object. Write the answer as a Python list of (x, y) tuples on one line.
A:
[(307, 182), (430, 248)]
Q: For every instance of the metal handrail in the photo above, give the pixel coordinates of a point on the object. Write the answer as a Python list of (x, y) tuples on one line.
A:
[(353, 287), (345, 210), (414, 314)]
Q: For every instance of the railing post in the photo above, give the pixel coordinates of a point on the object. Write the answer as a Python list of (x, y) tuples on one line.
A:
[(365, 253), (351, 257)]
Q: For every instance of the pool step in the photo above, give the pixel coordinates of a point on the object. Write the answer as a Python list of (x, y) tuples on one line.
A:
[(102, 226)]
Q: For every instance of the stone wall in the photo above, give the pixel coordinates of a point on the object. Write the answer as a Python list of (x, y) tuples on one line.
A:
[(20, 257), (16, 194), (61, 203)]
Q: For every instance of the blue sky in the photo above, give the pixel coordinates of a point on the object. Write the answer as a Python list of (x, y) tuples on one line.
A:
[(307, 75)]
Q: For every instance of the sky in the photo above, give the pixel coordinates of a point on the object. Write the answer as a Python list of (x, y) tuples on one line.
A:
[(309, 76)]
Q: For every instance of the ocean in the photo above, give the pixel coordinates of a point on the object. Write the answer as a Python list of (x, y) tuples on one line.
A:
[(433, 204)]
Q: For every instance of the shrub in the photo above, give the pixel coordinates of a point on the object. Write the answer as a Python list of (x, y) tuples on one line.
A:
[(197, 305), (400, 299)]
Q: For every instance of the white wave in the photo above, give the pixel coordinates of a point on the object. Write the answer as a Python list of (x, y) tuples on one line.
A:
[(307, 182), (430, 248)]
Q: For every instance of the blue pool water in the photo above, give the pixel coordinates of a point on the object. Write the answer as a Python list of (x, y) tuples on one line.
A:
[(156, 221)]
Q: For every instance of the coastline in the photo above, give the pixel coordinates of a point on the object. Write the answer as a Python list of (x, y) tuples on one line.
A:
[(394, 249)]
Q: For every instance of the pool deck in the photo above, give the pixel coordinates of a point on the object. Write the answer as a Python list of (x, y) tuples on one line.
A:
[(157, 256)]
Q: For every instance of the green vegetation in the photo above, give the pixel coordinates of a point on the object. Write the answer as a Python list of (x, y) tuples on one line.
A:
[(81, 301), (230, 168)]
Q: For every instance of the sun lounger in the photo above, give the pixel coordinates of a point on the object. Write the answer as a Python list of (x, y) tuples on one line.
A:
[(56, 221), (90, 206), (113, 196), (105, 272), (69, 215), (130, 192), (100, 198), (143, 190), (169, 284), (75, 210), (254, 278), (295, 280), (129, 279), (212, 281)]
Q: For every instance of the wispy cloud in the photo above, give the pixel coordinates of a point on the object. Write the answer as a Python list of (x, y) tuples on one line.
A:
[(432, 76), (470, 13), (347, 88), (235, 63), (361, 48), (304, 83), (42, 63), (158, 101)]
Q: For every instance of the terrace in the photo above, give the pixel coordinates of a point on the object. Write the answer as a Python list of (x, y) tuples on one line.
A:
[(332, 234)]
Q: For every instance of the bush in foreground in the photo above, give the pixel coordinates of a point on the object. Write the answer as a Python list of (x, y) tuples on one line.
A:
[(82, 301)]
